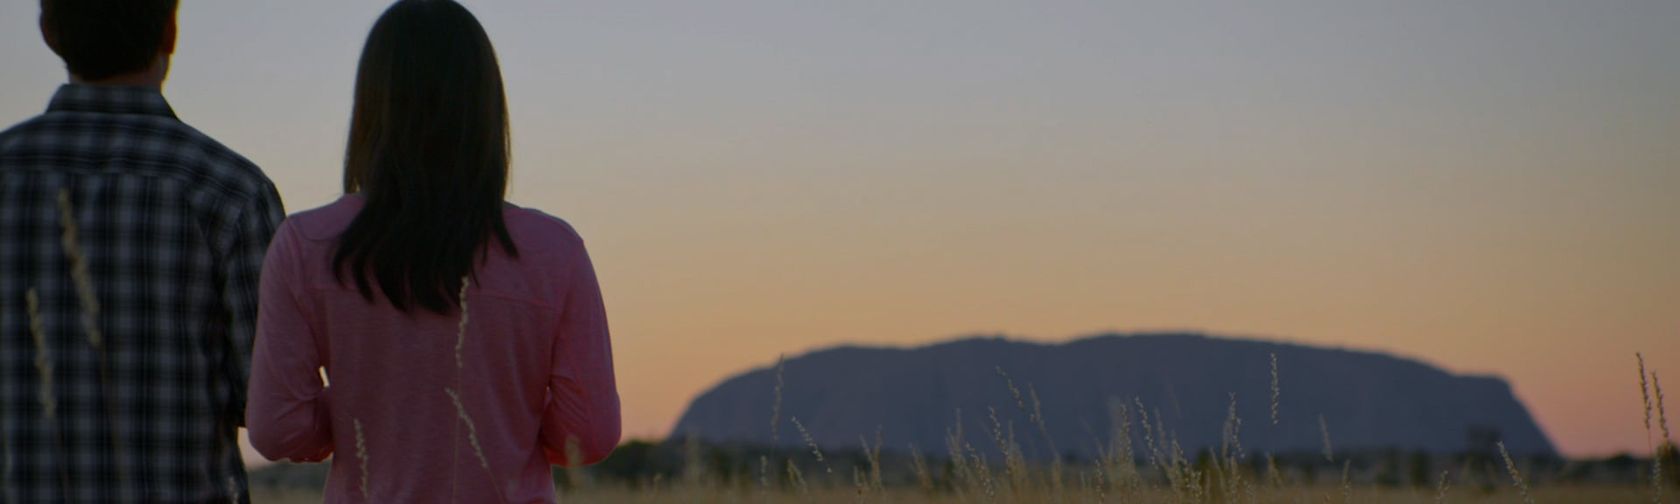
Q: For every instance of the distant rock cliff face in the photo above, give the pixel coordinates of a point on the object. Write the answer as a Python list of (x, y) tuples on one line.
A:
[(914, 396)]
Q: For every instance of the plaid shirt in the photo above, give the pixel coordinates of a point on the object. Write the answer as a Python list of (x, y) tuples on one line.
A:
[(172, 227)]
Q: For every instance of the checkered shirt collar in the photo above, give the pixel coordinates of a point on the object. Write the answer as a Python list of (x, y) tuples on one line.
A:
[(110, 100)]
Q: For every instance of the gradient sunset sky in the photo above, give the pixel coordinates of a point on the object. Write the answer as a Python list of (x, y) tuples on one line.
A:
[(1490, 186)]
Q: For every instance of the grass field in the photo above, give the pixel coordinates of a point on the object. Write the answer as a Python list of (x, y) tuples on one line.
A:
[(1591, 494), (1140, 463)]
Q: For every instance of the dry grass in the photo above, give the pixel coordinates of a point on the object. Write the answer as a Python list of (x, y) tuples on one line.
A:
[(89, 307), (1324, 428), (1516, 476), (1318, 494), (362, 457), (1166, 474), (43, 355), (1277, 391), (968, 475)]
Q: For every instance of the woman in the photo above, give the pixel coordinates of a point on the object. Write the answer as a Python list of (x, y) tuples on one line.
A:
[(464, 338)]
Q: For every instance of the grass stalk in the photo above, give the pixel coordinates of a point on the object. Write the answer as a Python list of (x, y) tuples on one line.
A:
[(1324, 431), (89, 304), (1516, 476), (362, 457), (1277, 392)]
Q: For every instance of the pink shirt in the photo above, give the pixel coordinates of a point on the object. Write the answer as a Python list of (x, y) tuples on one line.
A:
[(536, 370)]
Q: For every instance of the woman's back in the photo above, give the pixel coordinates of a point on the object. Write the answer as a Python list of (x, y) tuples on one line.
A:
[(418, 409)]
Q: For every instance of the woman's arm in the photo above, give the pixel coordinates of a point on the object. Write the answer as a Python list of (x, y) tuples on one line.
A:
[(581, 420), (287, 412)]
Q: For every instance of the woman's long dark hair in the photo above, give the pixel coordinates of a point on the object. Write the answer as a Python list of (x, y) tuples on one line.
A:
[(428, 150)]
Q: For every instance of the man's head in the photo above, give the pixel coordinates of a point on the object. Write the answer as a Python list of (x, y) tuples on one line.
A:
[(111, 40)]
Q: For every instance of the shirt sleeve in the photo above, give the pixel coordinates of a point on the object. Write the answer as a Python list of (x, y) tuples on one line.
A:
[(243, 248), (288, 416), (580, 422)]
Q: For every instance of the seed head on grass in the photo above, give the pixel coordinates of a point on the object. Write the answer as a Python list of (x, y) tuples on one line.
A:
[(461, 329), (1121, 459), (1013, 464), (1154, 452), (812, 443), (460, 363), (90, 323), (918, 464), (1188, 475), (1324, 430), (1661, 450), (954, 440), (79, 271), (1441, 489), (1038, 419), (1276, 391), (1233, 452), (1662, 412), (1044, 430), (776, 403), (874, 455), (43, 354), (1644, 393), (775, 424), (1347, 482), (472, 430), (362, 456), (1516, 477), (798, 478), (986, 484), (1274, 476), (1656, 453), (1231, 445), (1013, 390), (472, 437)]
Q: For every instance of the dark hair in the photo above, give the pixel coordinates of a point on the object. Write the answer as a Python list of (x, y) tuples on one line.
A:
[(428, 150), (102, 38)]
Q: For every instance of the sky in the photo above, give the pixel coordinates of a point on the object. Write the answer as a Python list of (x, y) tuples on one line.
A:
[(1490, 186)]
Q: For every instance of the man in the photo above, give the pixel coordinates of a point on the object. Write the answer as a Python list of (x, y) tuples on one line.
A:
[(130, 249)]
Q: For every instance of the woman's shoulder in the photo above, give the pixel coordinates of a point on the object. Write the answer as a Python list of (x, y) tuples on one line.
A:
[(326, 222), (549, 248), (539, 232)]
